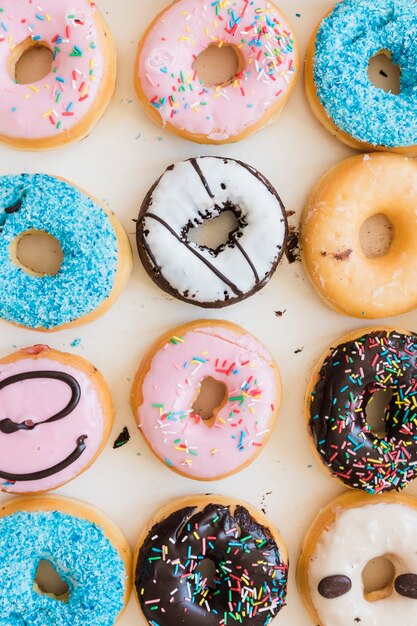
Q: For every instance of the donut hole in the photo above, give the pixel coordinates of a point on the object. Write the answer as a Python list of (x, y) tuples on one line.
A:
[(214, 233), (218, 65), (378, 578), (384, 73), (211, 397), (29, 62), (376, 411), (376, 236), (207, 570), (37, 253), (49, 583)]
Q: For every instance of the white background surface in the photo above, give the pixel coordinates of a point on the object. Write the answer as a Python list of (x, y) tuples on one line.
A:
[(118, 163)]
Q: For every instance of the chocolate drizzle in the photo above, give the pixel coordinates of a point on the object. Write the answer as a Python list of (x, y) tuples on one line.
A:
[(152, 265), (206, 262), (14, 208), (349, 377), (14, 478), (202, 177), (8, 427), (248, 572)]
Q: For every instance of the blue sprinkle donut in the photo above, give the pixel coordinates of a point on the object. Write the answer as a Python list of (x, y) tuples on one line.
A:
[(96, 253), (84, 547), (337, 83)]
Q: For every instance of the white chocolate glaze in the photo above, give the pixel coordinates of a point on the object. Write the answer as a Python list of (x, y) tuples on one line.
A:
[(198, 189), (358, 536)]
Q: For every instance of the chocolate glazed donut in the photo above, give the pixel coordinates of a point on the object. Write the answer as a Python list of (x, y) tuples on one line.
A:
[(350, 374), (248, 583), (192, 192)]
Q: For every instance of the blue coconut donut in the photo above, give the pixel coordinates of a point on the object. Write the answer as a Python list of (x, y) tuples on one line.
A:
[(96, 253), (338, 87), (85, 548)]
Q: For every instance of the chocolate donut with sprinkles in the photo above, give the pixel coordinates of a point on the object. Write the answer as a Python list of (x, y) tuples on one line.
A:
[(342, 386), (210, 560), (166, 74)]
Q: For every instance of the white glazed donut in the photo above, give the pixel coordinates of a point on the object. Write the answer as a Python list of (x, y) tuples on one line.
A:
[(353, 530), (186, 195)]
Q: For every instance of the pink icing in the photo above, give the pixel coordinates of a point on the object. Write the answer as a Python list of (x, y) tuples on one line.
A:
[(49, 444), (60, 100), (186, 29), (184, 440)]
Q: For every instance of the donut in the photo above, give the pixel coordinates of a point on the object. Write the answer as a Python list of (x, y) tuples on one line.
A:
[(97, 255), (210, 560), (338, 87), (341, 201), (168, 383), (56, 415), (65, 105), (85, 548), (203, 189), (341, 387), (351, 531), (171, 92)]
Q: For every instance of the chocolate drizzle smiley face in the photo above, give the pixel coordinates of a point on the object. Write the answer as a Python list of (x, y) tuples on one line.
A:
[(52, 421)]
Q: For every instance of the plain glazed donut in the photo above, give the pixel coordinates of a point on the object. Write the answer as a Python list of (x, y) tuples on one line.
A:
[(249, 557), (56, 414), (66, 104), (338, 205), (171, 92), (338, 87), (342, 385), (97, 255), (84, 546), (202, 189), (351, 531), (169, 380)]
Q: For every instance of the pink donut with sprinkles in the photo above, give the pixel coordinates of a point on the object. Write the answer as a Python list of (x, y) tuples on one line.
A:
[(64, 105), (180, 425), (167, 79)]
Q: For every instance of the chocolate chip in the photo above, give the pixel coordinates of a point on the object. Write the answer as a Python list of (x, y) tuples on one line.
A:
[(122, 439), (406, 585), (14, 208), (334, 586)]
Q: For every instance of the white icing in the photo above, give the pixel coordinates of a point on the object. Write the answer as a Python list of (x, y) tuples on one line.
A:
[(358, 536), (180, 197)]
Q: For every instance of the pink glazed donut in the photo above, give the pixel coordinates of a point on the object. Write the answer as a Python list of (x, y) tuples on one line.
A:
[(166, 395), (65, 104), (169, 88), (56, 414)]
